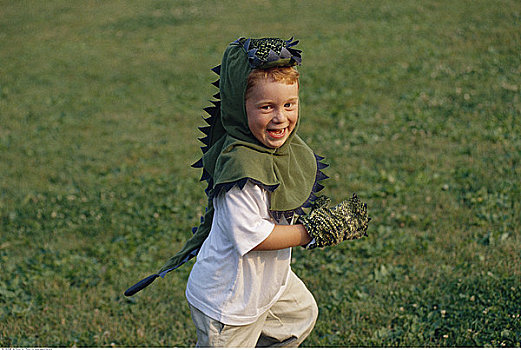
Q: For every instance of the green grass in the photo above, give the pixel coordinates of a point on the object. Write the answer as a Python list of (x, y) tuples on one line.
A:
[(416, 106)]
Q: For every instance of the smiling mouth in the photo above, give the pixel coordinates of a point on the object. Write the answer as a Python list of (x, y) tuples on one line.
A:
[(277, 133)]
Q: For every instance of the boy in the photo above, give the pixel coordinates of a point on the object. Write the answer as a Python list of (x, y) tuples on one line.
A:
[(241, 291), (242, 277), (260, 174)]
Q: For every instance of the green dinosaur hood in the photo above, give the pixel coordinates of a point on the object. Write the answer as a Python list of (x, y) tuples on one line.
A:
[(288, 171)]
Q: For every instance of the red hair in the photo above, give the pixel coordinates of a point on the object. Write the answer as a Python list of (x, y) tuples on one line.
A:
[(287, 75)]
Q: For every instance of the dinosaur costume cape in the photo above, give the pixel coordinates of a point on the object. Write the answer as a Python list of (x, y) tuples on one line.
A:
[(232, 155)]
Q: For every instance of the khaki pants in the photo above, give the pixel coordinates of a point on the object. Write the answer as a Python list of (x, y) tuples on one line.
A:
[(286, 324)]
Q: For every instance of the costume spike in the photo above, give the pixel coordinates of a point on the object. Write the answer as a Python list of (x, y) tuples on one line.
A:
[(204, 149), (238, 41), (204, 140), (284, 53), (198, 164), (217, 95), (291, 43), (210, 110), (217, 70), (205, 175), (247, 44), (210, 120), (205, 129), (318, 187), (255, 62), (194, 230), (321, 176), (242, 183), (322, 165), (272, 56), (216, 83), (251, 54), (297, 58)]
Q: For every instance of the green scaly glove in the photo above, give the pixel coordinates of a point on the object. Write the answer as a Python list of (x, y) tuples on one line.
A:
[(330, 226)]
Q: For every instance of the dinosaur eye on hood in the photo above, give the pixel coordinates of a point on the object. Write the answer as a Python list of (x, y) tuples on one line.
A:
[(270, 52)]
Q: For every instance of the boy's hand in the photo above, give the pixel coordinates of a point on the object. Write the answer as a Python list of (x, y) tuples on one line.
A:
[(330, 226)]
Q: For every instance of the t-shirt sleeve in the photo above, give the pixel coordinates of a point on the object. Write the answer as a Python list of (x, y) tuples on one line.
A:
[(243, 216)]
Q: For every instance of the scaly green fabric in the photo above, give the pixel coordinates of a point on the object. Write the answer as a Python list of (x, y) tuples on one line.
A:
[(233, 154), (329, 226)]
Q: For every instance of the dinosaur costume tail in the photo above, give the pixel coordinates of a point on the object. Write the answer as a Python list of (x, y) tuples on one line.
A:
[(189, 251)]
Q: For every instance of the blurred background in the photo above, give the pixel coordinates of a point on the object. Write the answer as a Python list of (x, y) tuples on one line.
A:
[(415, 105)]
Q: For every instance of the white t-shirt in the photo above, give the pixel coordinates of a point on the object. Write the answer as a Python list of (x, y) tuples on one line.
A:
[(229, 282)]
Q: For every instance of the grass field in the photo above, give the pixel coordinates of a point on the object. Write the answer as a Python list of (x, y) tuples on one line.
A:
[(416, 105)]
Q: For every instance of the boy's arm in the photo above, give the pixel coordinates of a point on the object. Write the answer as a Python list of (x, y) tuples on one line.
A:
[(285, 236)]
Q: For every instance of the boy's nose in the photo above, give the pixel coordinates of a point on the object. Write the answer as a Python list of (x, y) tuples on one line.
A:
[(280, 116)]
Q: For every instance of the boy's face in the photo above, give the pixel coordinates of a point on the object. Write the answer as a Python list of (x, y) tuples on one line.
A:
[(272, 111)]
